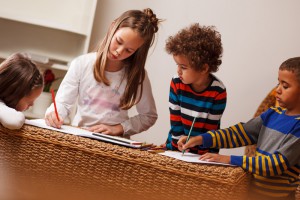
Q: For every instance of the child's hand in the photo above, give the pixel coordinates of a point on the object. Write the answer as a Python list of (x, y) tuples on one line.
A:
[(116, 130), (51, 120), (213, 157), (181, 142), (193, 141)]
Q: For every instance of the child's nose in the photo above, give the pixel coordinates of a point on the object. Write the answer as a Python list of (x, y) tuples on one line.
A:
[(29, 105), (178, 71), (278, 89), (120, 51)]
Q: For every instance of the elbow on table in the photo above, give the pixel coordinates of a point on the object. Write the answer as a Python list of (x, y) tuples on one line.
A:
[(16, 123)]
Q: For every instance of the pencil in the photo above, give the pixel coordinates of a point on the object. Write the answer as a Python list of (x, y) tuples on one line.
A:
[(55, 108), (189, 134)]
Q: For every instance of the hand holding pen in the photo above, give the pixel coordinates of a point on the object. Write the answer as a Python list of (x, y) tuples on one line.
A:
[(184, 144), (52, 118), (188, 137)]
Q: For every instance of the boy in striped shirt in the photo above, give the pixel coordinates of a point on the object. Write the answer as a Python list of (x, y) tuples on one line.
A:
[(276, 164), (195, 92)]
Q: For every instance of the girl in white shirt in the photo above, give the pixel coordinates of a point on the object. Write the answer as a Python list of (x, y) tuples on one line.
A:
[(20, 84), (105, 84)]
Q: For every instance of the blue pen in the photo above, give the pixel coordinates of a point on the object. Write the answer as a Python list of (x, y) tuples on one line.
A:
[(189, 133)]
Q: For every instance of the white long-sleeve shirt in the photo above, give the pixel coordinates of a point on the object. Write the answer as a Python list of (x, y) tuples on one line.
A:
[(10, 118), (97, 103)]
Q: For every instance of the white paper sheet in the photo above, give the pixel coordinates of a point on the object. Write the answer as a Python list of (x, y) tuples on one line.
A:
[(85, 133), (189, 157)]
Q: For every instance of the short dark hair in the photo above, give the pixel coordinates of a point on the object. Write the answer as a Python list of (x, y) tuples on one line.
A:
[(199, 44), (18, 77), (292, 65)]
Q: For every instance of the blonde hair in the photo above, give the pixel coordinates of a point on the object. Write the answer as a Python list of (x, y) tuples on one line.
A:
[(146, 24)]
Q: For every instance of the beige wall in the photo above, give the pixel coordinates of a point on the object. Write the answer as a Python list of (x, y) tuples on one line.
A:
[(257, 36)]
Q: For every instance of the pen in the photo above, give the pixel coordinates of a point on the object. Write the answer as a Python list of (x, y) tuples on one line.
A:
[(189, 134), (53, 99), (111, 138)]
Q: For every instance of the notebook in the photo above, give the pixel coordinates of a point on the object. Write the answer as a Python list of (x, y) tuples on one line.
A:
[(85, 133), (189, 157)]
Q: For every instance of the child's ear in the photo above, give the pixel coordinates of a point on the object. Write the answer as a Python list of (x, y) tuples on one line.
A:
[(205, 68)]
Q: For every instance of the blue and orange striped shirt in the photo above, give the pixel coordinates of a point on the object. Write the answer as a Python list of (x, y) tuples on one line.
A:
[(185, 104), (276, 164)]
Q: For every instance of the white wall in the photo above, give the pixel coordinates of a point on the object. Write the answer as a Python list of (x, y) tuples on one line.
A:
[(257, 37)]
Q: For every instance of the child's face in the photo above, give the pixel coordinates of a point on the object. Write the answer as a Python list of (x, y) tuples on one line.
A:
[(28, 100), (187, 74), (124, 43), (288, 91)]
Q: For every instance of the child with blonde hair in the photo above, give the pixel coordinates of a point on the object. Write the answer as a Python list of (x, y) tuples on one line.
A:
[(107, 83)]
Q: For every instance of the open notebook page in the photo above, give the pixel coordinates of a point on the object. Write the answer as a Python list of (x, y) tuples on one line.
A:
[(188, 157), (85, 133)]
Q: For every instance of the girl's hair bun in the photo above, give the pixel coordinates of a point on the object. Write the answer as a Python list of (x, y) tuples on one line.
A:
[(152, 18)]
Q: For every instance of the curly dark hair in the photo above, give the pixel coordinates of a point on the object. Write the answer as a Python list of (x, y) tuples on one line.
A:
[(199, 44)]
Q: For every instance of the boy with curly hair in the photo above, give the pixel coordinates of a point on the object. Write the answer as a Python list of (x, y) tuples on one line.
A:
[(196, 95)]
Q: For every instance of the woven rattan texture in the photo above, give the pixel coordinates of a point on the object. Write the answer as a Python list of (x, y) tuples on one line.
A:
[(42, 164), (298, 193), (269, 101)]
